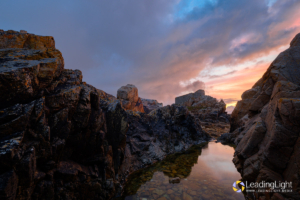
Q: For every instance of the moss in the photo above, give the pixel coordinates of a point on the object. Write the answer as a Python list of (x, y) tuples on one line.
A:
[(194, 108)]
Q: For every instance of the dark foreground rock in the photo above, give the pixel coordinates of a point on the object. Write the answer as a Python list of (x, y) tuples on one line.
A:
[(265, 126), (61, 138)]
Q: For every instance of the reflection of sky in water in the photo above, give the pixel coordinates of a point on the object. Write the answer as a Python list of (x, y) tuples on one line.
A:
[(218, 158), (210, 178)]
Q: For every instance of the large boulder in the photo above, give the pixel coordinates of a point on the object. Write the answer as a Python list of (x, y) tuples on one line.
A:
[(129, 93), (130, 98), (265, 125)]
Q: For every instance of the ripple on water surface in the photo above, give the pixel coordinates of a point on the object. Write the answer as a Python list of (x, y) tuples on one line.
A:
[(205, 172)]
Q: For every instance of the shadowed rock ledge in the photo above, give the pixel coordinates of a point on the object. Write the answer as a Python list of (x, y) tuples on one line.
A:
[(265, 126), (61, 138)]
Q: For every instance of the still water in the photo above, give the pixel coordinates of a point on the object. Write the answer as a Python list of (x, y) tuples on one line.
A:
[(206, 172)]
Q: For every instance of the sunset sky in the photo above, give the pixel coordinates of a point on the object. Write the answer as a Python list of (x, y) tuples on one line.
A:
[(165, 47)]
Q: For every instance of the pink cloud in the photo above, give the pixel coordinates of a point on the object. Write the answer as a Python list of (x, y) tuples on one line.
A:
[(232, 87)]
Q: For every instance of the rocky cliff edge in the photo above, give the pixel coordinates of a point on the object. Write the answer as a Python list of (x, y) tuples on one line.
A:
[(265, 126), (61, 138)]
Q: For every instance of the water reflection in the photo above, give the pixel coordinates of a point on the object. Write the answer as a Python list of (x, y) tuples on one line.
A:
[(205, 172)]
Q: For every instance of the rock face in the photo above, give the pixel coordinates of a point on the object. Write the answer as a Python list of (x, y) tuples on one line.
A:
[(265, 125), (150, 104), (130, 98), (187, 97), (163, 131), (14, 39), (205, 107), (28, 67), (61, 138), (208, 110)]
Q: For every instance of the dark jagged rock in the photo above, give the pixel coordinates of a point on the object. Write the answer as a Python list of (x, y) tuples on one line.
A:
[(150, 104), (164, 131), (265, 125), (61, 138)]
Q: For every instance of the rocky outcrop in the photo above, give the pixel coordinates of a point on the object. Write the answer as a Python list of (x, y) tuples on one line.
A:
[(129, 98), (61, 138), (150, 104), (205, 107), (208, 110), (184, 99), (27, 69), (163, 131), (265, 125), (15, 39)]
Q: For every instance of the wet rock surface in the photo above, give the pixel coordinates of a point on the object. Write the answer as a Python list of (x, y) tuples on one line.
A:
[(265, 125), (61, 138)]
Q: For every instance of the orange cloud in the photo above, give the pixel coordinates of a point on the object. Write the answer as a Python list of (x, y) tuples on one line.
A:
[(232, 87)]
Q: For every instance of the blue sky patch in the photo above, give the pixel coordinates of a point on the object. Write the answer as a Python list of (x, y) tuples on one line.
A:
[(185, 7)]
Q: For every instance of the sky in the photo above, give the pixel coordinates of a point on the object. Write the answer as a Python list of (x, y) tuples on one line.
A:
[(166, 48)]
